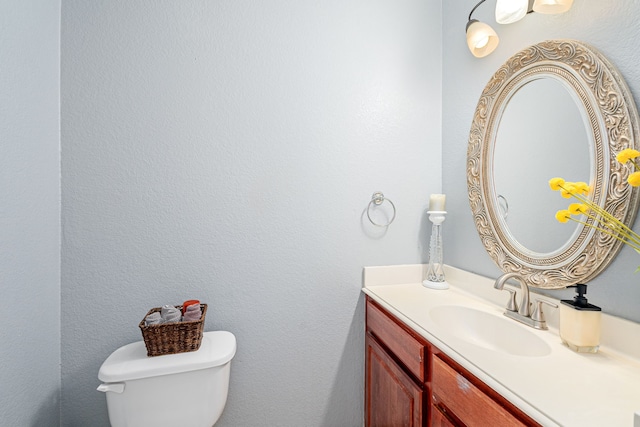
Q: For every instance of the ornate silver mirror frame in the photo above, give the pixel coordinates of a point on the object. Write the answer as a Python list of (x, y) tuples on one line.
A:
[(611, 114)]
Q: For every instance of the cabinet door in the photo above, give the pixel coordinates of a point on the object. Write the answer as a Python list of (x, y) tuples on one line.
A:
[(392, 399)]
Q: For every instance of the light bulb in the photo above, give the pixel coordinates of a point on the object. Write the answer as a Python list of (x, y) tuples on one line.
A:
[(482, 42)]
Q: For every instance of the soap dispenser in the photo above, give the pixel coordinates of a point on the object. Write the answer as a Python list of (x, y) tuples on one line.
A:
[(580, 322)]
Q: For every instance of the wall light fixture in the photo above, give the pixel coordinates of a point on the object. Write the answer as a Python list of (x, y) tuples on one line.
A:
[(482, 39)]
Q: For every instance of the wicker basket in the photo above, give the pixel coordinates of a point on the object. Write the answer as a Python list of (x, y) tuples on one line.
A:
[(172, 338)]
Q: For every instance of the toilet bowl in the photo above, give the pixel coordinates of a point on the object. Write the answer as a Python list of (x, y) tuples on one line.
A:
[(188, 389)]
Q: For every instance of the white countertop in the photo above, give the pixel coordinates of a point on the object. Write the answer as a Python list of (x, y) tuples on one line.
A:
[(563, 388)]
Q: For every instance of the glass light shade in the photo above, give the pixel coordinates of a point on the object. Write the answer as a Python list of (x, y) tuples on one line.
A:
[(481, 38), (552, 6), (510, 11)]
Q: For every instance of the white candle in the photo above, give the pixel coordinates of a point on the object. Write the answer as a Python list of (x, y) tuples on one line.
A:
[(436, 202)]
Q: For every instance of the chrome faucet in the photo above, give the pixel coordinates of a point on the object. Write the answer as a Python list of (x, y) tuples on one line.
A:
[(523, 313)]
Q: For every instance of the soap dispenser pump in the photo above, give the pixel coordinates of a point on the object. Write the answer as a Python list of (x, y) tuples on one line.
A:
[(580, 322)]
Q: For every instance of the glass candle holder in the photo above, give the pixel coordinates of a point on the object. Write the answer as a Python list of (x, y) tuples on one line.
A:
[(435, 273)]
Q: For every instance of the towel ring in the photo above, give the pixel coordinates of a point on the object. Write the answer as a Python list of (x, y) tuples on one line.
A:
[(504, 206), (377, 199)]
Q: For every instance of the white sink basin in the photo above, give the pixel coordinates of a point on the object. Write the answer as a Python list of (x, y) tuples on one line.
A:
[(489, 331)]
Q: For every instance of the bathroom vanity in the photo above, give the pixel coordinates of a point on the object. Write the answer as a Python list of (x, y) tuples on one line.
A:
[(450, 358), (426, 386)]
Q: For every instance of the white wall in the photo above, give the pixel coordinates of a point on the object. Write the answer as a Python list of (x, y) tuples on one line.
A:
[(29, 213), (226, 151), (610, 27)]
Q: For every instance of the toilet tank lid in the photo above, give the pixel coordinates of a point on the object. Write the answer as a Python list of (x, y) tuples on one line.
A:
[(131, 362)]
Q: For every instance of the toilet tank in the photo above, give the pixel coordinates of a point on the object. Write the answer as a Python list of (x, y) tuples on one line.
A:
[(188, 389)]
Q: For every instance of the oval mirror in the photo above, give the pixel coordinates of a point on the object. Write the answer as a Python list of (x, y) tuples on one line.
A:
[(557, 108), (555, 124)]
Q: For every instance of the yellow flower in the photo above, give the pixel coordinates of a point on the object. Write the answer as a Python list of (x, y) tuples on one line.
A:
[(578, 208), (568, 190), (634, 179), (596, 216), (582, 188), (556, 183), (627, 154), (563, 215)]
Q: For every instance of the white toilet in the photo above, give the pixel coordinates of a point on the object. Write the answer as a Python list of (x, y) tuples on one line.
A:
[(188, 389)]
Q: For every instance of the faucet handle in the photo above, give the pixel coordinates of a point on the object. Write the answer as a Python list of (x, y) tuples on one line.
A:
[(537, 314), (512, 305)]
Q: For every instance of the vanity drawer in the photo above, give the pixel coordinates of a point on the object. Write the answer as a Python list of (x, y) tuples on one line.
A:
[(465, 401), (405, 345)]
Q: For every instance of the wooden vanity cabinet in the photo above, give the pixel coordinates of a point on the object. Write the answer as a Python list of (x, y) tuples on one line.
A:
[(395, 390), (410, 383)]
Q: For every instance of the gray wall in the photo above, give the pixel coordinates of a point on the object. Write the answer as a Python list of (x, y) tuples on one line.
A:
[(610, 27), (226, 151), (29, 213)]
